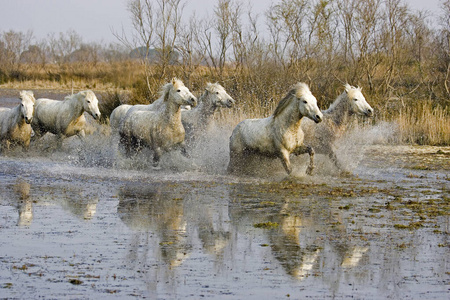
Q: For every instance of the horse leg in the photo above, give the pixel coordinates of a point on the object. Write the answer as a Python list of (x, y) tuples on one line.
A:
[(81, 134), (156, 158), (125, 144), (286, 161), (235, 163), (59, 141), (307, 149), (333, 157), (184, 151)]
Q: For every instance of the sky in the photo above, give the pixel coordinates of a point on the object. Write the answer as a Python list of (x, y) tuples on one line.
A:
[(95, 20)]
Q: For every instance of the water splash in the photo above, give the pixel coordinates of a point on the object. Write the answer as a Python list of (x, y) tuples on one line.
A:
[(209, 154)]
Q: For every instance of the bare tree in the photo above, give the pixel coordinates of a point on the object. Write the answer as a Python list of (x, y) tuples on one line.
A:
[(445, 41), (190, 46), (155, 34), (62, 45), (366, 28), (396, 15), (12, 44)]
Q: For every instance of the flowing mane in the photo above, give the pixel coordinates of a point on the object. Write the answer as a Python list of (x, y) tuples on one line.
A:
[(278, 135), (213, 87), (347, 94), (299, 89), (337, 103)]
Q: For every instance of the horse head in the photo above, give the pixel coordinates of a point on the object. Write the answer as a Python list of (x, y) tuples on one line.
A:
[(179, 93), (307, 102), (27, 105), (218, 96), (357, 102), (90, 103)]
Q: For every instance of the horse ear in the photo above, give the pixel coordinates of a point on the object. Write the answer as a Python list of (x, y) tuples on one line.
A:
[(347, 87), (83, 93)]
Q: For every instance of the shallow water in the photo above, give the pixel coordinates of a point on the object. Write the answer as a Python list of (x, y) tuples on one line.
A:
[(84, 222)]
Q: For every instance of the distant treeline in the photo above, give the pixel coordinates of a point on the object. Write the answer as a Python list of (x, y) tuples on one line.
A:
[(400, 57)]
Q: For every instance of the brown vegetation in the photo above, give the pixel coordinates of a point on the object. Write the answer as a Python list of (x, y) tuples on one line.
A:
[(399, 57)]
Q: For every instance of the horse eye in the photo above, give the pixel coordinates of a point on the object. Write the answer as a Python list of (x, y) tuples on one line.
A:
[(88, 101), (217, 93), (22, 105), (304, 101), (355, 99), (178, 91)]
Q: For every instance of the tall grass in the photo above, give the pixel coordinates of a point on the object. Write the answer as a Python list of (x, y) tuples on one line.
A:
[(424, 124), (256, 91)]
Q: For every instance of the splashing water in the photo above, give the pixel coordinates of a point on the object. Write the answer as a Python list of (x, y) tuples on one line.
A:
[(209, 154)]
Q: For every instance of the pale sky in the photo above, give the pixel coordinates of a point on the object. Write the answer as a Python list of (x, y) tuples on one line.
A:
[(94, 20)]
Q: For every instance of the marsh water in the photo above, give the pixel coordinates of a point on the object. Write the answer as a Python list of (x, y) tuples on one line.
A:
[(81, 221)]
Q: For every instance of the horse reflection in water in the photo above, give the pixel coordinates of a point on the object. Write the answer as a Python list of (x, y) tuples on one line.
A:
[(303, 242), (166, 217), (24, 202), (155, 209), (70, 199)]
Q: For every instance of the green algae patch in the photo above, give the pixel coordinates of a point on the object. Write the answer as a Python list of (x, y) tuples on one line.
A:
[(266, 225), (412, 225)]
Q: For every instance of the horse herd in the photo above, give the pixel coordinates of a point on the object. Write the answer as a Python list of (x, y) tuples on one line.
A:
[(167, 124)]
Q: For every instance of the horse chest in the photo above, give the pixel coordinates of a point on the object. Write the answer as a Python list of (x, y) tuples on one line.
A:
[(20, 132), (292, 138), (167, 135), (75, 126)]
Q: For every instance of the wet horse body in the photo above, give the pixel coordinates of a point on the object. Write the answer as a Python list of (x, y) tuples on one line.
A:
[(197, 120), (15, 128), (278, 135), (160, 130), (65, 118), (322, 137)]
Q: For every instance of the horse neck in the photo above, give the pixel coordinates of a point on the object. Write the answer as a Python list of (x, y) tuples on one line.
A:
[(172, 112), (76, 103), (205, 108), (18, 117), (289, 117), (339, 111)]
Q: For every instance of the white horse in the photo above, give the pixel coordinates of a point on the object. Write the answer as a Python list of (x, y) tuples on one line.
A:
[(120, 111), (116, 115), (197, 120), (280, 134), (15, 125), (65, 118), (336, 119), (161, 129)]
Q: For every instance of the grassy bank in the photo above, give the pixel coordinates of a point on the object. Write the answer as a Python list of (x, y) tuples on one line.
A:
[(421, 119)]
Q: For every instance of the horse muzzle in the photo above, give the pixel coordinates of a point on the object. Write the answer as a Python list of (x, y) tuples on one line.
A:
[(193, 102), (96, 116), (230, 103), (28, 120), (368, 112), (317, 119)]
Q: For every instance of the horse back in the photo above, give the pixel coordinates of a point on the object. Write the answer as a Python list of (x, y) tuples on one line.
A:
[(4, 120), (46, 111)]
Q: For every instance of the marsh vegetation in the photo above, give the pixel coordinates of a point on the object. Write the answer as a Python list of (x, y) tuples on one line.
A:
[(400, 58)]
